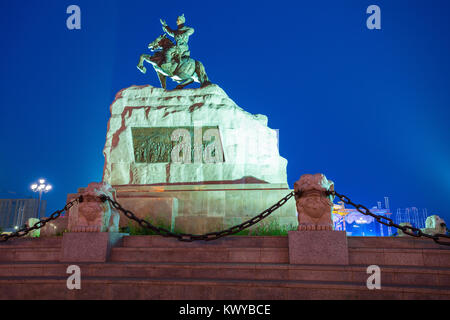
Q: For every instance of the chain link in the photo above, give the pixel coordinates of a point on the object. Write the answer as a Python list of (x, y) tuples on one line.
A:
[(185, 237), (41, 223), (412, 231)]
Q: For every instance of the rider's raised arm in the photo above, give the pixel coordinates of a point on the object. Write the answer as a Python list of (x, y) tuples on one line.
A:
[(169, 31)]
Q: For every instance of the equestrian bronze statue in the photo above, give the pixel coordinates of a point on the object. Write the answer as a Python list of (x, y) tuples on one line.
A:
[(173, 59)]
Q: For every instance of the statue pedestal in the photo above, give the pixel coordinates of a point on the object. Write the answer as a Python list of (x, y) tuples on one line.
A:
[(193, 160), (202, 208), (318, 247), (88, 246)]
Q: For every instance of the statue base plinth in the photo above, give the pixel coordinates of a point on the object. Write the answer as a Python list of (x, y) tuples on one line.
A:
[(204, 208), (318, 247), (88, 246)]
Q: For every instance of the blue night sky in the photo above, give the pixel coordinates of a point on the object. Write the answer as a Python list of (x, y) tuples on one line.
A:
[(368, 108)]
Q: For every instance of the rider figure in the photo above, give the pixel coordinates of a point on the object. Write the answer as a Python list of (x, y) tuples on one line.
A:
[(181, 36)]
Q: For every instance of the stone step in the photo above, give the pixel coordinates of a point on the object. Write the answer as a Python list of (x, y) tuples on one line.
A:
[(54, 288), (20, 254), (234, 241), (432, 277), (206, 253), (394, 242), (280, 242), (201, 255), (53, 242), (400, 257)]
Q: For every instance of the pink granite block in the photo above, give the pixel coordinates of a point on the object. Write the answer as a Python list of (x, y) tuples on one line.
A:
[(318, 247), (9, 290), (93, 290), (195, 292), (444, 279), (362, 256), (417, 278), (268, 274), (7, 255), (246, 255), (43, 290), (403, 257), (332, 294), (274, 255), (438, 258), (263, 293), (361, 276), (88, 246), (226, 292), (153, 292), (121, 291), (382, 294), (298, 293), (49, 255)]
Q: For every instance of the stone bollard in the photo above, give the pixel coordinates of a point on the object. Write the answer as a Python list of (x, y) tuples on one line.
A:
[(93, 227), (400, 232), (315, 241), (434, 225)]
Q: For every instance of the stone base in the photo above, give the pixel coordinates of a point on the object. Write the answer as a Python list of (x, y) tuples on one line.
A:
[(318, 247), (88, 246), (203, 208)]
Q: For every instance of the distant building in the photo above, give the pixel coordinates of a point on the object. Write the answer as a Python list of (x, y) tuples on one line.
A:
[(16, 212), (358, 224), (416, 217)]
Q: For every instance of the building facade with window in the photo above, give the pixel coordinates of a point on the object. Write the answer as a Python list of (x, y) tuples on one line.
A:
[(14, 213)]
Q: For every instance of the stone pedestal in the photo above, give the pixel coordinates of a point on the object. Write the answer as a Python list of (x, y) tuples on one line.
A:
[(193, 160), (88, 246), (203, 208), (156, 136), (318, 247)]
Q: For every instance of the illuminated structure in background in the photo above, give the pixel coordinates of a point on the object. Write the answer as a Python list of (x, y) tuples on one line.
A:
[(357, 224), (14, 213), (412, 215), (41, 187)]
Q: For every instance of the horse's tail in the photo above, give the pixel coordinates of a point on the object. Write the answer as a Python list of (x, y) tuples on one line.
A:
[(201, 72)]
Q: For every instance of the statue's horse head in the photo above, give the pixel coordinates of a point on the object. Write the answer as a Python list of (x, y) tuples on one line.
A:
[(160, 43)]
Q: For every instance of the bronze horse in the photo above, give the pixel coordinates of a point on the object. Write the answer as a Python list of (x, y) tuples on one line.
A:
[(184, 70)]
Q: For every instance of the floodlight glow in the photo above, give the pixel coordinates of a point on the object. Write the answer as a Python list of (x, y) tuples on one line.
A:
[(41, 181), (34, 186)]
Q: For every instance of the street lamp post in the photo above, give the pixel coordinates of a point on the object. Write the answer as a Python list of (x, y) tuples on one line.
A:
[(41, 187)]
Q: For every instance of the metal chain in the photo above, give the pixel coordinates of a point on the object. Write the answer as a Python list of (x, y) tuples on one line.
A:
[(23, 232), (412, 231), (205, 237)]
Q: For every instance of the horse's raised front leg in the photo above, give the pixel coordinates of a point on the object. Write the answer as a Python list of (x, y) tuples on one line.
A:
[(140, 66)]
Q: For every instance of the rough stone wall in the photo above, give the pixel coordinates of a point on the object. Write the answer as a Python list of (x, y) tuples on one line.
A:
[(250, 147)]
